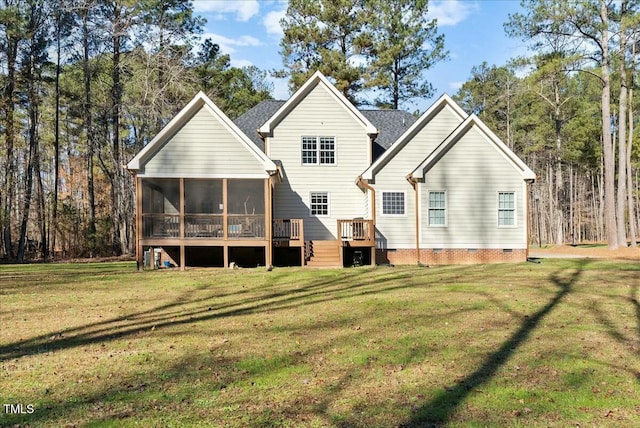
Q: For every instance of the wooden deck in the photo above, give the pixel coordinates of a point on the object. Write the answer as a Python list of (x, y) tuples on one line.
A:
[(356, 233), (288, 232), (227, 230)]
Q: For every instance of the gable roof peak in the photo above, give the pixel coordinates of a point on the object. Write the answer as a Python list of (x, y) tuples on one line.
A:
[(316, 79), (473, 121), (200, 100), (421, 122)]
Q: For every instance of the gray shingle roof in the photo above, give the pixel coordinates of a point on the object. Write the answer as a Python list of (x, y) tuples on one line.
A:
[(255, 117), (390, 123)]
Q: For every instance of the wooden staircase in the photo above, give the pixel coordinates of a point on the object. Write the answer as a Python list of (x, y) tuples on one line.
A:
[(323, 253)]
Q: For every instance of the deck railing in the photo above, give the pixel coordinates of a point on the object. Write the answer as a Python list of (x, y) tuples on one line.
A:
[(160, 225), (241, 226), (208, 226), (356, 230), (203, 226), (288, 229)]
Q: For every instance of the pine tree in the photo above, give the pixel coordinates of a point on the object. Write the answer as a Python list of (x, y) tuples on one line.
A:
[(405, 44), (326, 35)]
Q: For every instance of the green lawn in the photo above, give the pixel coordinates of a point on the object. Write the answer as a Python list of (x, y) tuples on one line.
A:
[(550, 344)]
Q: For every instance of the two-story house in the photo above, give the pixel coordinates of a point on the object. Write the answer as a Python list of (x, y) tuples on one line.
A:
[(314, 181)]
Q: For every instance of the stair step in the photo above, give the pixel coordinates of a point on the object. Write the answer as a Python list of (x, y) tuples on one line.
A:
[(322, 248), (315, 263), (324, 253), (332, 253), (331, 258)]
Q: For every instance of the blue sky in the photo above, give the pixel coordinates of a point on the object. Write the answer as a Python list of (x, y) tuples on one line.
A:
[(249, 31)]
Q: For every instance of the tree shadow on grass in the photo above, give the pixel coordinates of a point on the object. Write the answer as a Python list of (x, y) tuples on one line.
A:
[(185, 309), (160, 387), (443, 406)]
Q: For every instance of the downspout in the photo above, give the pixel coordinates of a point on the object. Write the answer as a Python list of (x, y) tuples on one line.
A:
[(414, 184), (527, 184), (264, 141), (361, 182)]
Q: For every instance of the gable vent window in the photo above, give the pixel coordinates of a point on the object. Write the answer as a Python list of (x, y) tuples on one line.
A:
[(393, 203), (318, 150)]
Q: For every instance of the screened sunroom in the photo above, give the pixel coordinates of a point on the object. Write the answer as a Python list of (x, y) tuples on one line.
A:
[(189, 213)]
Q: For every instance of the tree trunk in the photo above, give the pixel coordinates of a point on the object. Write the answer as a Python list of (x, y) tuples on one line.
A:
[(559, 181), (622, 134), (116, 94), (88, 127), (56, 137), (630, 202), (41, 206), (9, 175), (607, 143), (32, 158)]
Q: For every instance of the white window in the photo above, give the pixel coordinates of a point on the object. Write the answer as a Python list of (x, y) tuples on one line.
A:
[(319, 203), (393, 203), (309, 150), (318, 150), (506, 209), (438, 208)]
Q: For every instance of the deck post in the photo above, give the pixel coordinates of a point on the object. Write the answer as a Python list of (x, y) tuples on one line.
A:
[(139, 249), (181, 225), (225, 223), (268, 257), (225, 218), (527, 197), (225, 255), (340, 243), (181, 210), (303, 247)]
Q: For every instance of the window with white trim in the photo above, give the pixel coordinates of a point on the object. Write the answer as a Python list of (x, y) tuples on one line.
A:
[(318, 150), (309, 150), (437, 208), (506, 209), (319, 203), (393, 203)]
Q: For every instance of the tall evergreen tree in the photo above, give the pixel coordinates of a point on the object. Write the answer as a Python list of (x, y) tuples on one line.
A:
[(233, 89), (405, 44), (62, 22), (326, 35), (12, 25), (33, 61)]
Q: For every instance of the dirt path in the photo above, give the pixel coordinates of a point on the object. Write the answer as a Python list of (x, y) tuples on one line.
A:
[(586, 251)]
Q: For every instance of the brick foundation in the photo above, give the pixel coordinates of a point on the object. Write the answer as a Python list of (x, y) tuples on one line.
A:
[(449, 256)]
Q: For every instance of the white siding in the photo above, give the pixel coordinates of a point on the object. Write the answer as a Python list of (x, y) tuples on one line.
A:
[(319, 114), (203, 146), (472, 173), (396, 231)]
